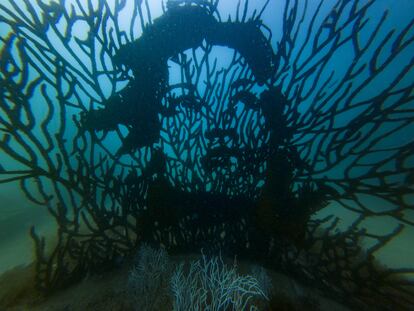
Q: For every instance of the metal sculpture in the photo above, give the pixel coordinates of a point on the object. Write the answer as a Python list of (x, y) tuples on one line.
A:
[(239, 157)]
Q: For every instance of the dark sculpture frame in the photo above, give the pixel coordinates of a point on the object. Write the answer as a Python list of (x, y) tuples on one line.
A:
[(106, 202)]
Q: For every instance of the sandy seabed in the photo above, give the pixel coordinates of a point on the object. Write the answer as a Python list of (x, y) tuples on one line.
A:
[(109, 292)]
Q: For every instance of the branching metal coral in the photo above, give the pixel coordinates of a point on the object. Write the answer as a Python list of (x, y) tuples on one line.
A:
[(279, 137)]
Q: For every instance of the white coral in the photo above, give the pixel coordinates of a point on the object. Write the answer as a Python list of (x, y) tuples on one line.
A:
[(212, 286), (265, 282), (149, 278)]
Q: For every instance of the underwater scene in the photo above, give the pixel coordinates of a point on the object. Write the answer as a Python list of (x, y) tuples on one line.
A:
[(219, 155)]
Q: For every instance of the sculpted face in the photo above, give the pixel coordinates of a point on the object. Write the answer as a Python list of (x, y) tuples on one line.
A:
[(199, 91), (181, 28), (217, 120)]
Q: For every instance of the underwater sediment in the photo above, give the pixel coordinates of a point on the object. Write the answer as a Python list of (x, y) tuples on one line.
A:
[(183, 128)]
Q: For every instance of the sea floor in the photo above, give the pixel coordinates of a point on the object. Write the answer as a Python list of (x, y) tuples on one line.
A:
[(109, 292)]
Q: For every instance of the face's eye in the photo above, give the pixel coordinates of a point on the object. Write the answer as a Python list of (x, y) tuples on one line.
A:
[(182, 96), (245, 97)]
